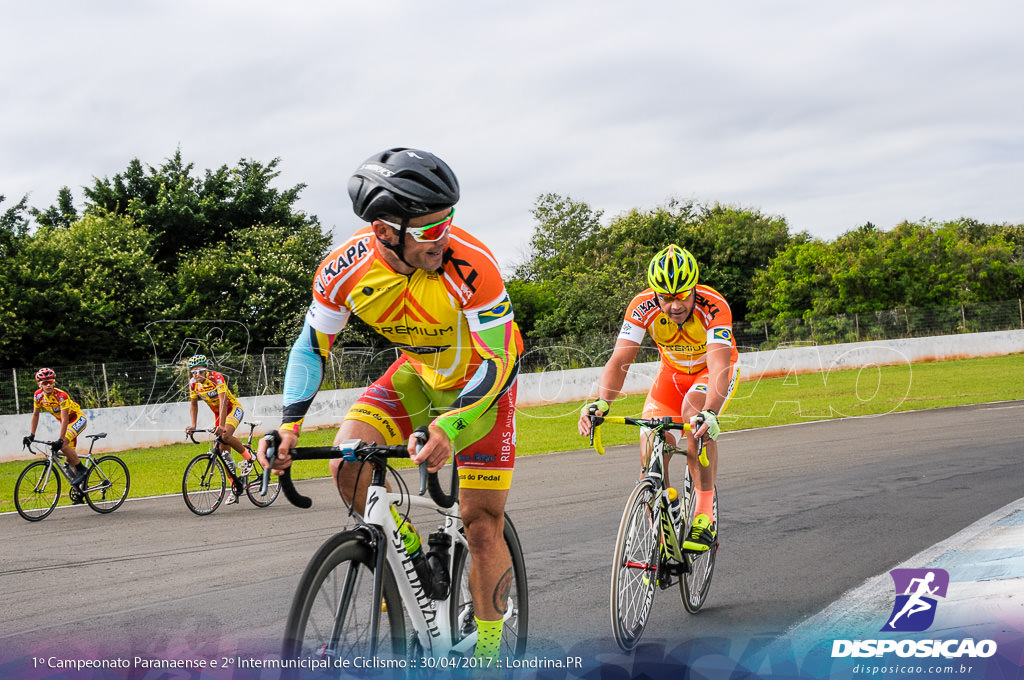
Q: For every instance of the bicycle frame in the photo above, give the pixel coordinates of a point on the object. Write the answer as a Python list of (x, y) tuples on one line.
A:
[(53, 458), (216, 452), (431, 618), (653, 469)]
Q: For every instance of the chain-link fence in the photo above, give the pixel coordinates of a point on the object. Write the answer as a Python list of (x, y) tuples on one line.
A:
[(150, 382)]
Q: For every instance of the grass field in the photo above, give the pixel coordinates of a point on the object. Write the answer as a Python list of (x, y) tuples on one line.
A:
[(761, 403)]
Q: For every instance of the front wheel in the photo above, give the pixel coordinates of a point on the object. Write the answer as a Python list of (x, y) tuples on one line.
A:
[(37, 491), (107, 485), (204, 484), (517, 613), (635, 568), (330, 615)]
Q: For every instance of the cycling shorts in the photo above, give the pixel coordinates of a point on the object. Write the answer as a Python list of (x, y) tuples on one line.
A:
[(399, 402), (75, 429), (671, 387), (235, 416)]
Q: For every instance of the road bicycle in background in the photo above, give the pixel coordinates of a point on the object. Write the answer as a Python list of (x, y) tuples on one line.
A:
[(648, 548), (360, 595), (207, 476), (38, 487)]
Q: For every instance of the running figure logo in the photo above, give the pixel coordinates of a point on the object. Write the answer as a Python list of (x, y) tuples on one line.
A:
[(914, 610)]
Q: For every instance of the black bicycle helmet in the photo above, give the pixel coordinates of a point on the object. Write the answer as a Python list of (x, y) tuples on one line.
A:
[(402, 183)]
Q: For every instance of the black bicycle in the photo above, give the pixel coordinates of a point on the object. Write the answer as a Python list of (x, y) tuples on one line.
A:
[(38, 487), (205, 482)]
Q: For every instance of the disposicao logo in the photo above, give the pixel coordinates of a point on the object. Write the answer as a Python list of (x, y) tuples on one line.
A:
[(916, 593), (913, 611)]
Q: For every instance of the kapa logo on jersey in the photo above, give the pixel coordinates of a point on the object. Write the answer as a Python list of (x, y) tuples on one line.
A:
[(913, 611)]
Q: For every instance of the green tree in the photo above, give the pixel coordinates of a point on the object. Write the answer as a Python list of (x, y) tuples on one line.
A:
[(262, 277), (59, 216), (185, 213), (911, 265), (83, 294), (13, 226), (563, 228)]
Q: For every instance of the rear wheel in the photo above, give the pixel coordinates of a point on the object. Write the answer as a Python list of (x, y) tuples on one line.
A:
[(696, 583), (37, 490), (107, 485), (330, 615), (513, 634), (635, 569), (204, 484)]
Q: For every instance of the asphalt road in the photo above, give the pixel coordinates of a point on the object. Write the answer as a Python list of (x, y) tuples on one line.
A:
[(807, 512)]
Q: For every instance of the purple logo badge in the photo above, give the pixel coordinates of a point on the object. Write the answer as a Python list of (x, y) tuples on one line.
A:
[(916, 592)]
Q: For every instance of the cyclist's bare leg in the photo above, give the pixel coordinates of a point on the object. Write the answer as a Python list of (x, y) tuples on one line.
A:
[(490, 573), (70, 453), (234, 442), (350, 483)]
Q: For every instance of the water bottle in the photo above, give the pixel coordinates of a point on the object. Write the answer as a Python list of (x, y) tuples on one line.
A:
[(413, 546), (229, 462), (437, 558)]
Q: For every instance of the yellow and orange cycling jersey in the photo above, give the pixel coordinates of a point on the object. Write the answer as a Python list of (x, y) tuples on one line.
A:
[(455, 326), (430, 315), (56, 402), (210, 389), (683, 347)]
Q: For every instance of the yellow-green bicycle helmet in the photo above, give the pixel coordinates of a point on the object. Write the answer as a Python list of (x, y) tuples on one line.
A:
[(673, 270), (197, 360)]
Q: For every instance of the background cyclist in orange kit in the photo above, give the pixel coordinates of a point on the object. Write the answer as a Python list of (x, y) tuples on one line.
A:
[(691, 325)]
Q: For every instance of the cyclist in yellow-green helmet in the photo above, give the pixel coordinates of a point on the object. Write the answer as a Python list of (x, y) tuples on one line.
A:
[(691, 324)]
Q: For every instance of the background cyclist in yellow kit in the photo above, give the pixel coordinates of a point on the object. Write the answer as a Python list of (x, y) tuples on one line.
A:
[(66, 410), (212, 387), (691, 325)]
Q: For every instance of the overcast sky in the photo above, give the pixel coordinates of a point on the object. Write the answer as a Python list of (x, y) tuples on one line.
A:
[(828, 114)]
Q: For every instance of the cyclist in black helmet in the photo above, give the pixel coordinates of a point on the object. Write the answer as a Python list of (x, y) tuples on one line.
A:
[(437, 293)]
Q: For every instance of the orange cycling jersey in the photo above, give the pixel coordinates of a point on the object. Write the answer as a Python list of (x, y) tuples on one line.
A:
[(455, 325), (56, 402), (683, 347), (429, 315), (210, 389)]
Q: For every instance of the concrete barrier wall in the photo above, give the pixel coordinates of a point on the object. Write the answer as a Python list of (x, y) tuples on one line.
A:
[(160, 424)]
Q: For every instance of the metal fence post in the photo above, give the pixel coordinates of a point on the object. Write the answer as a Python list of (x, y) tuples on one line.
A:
[(14, 376), (106, 388)]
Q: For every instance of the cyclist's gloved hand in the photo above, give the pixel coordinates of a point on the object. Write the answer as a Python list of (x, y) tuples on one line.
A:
[(596, 405), (28, 440), (58, 445), (709, 418)]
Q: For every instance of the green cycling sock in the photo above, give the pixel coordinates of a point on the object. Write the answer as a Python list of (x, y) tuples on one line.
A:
[(488, 638)]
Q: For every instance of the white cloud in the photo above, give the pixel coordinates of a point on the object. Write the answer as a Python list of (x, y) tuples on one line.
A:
[(829, 115)]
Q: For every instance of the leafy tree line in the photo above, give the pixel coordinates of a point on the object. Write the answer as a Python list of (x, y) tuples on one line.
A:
[(158, 253), (155, 244), (580, 274)]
